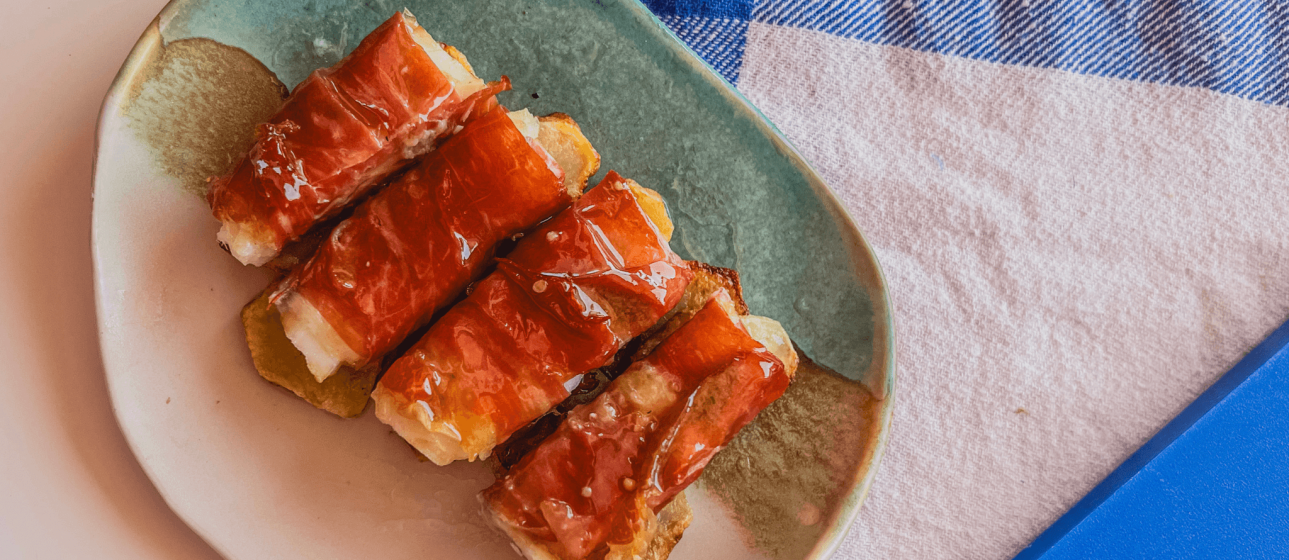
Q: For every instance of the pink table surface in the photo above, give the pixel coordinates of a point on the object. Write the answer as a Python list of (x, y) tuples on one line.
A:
[(69, 486)]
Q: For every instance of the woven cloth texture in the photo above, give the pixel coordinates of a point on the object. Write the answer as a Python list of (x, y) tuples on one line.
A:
[(1078, 207)]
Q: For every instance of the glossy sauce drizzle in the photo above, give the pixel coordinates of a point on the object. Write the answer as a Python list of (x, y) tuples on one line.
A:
[(416, 244), (342, 129), (642, 441), (561, 304)]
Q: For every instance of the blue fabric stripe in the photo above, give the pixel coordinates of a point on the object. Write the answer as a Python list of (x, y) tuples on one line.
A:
[(714, 9), (1236, 47), (719, 41), (715, 29)]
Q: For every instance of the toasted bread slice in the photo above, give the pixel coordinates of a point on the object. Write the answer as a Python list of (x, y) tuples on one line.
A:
[(343, 394), (655, 207), (346, 392), (672, 522), (563, 140)]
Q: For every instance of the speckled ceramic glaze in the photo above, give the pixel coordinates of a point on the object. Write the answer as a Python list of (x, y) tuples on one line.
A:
[(261, 474)]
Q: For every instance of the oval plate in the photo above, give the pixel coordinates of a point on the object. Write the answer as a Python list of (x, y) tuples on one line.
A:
[(261, 474)]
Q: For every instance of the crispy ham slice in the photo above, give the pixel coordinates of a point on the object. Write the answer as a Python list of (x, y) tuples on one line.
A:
[(411, 249), (596, 487), (341, 132), (568, 297)]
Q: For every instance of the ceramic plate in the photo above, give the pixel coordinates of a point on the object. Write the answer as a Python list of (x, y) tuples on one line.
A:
[(261, 474)]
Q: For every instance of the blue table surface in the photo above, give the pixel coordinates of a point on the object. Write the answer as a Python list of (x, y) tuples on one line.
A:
[(1213, 483)]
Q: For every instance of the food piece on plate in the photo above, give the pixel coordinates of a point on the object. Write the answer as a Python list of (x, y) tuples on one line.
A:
[(344, 394), (706, 281), (408, 250), (413, 247), (672, 522), (595, 488), (559, 136), (343, 130), (568, 297)]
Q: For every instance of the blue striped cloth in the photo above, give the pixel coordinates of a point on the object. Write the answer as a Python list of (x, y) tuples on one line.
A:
[(1239, 47)]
